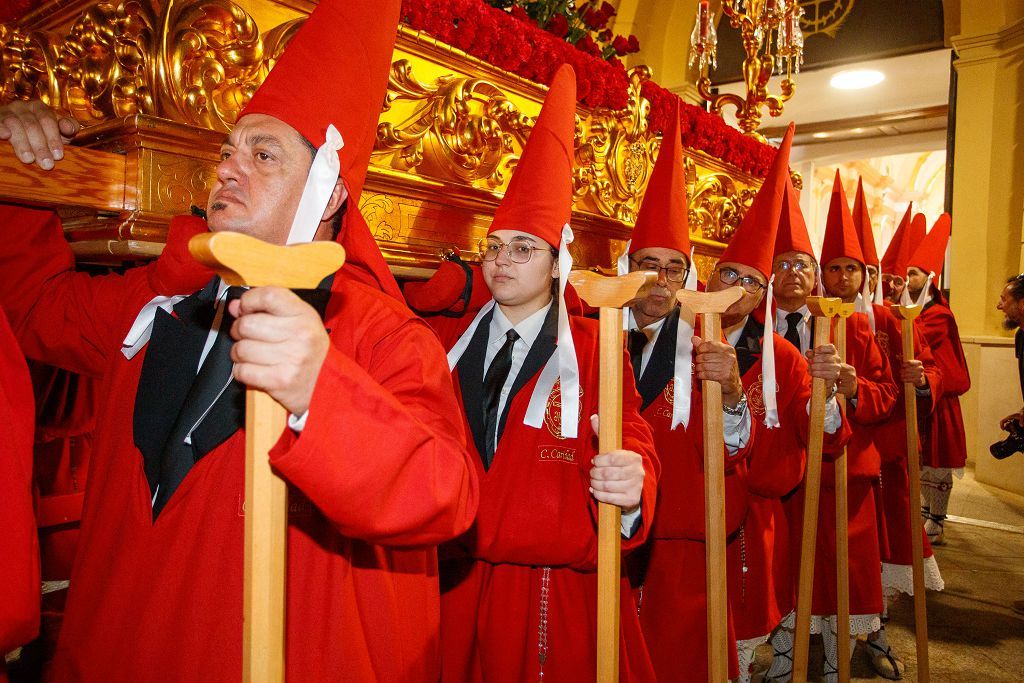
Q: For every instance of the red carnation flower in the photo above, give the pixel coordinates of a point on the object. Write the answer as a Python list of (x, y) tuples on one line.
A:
[(559, 26), (634, 44), (621, 46), (520, 14)]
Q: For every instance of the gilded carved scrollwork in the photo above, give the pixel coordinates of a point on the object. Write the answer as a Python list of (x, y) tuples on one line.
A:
[(213, 55), (28, 65), (104, 65), (445, 118), (616, 155), (717, 206), (461, 127), (180, 181)]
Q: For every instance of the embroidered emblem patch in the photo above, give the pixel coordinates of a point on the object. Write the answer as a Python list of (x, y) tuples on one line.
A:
[(882, 337), (755, 396), (553, 410)]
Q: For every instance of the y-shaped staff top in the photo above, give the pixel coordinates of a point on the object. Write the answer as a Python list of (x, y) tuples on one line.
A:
[(601, 291), (709, 302), (243, 260)]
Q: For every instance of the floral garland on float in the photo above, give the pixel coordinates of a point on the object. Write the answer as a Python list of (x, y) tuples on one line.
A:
[(532, 39)]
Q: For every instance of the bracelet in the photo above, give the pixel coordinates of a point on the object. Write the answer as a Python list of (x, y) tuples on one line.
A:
[(741, 406)]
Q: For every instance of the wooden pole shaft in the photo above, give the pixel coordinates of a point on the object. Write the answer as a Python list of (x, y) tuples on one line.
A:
[(917, 543), (842, 540), (812, 490), (266, 522), (609, 516), (714, 516)]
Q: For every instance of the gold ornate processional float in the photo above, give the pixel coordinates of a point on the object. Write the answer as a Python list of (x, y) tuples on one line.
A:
[(158, 82)]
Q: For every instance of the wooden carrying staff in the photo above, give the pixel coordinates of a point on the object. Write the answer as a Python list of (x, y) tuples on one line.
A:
[(842, 524), (710, 306), (906, 314), (247, 261), (823, 309), (609, 294)]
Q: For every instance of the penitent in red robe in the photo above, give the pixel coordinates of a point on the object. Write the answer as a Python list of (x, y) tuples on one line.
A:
[(943, 443), (671, 569), (19, 549), (875, 401), (890, 437), (762, 572), (378, 476), (535, 539)]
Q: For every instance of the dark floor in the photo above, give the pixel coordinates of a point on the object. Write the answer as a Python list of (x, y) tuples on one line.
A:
[(974, 634)]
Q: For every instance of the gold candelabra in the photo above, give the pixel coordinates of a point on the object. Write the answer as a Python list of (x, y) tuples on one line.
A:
[(758, 21)]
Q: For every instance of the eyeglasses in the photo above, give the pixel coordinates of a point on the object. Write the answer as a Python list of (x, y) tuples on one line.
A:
[(894, 280), (750, 284), (518, 250), (795, 266), (673, 272)]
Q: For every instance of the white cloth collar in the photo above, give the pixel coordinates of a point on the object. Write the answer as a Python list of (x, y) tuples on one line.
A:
[(528, 328)]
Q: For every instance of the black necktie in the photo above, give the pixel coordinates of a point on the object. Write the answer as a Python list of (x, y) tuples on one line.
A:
[(792, 332), (636, 343), (213, 378), (494, 380)]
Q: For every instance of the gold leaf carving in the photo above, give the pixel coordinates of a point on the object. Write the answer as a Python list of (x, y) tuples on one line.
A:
[(461, 127), (28, 65), (214, 56), (382, 215), (103, 63), (180, 182), (717, 206)]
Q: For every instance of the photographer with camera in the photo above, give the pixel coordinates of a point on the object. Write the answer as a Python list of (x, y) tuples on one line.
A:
[(1011, 303)]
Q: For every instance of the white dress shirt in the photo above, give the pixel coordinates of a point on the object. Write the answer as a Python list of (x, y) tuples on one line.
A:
[(735, 428), (528, 330), (833, 417)]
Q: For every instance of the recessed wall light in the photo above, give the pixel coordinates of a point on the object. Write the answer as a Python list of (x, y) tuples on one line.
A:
[(856, 79), (857, 131), (821, 135)]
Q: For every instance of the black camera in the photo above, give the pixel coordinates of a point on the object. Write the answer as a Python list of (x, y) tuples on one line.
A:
[(1014, 443)]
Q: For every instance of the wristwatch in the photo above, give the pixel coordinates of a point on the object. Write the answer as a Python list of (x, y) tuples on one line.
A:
[(739, 409)]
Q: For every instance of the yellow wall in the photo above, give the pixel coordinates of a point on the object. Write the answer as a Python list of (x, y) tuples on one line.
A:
[(988, 204)]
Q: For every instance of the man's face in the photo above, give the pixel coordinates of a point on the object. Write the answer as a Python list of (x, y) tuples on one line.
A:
[(671, 267), (260, 177), (735, 273), (1013, 309), (872, 278), (892, 287), (916, 280), (843, 277), (518, 284), (794, 275)]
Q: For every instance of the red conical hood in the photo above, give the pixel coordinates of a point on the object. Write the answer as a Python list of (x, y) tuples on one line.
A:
[(792, 234), (751, 244), (892, 263), (841, 238), (931, 252), (862, 221), (662, 221), (539, 196), (334, 70)]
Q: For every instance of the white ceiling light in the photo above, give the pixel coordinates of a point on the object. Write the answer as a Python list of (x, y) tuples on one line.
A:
[(821, 135), (856, 79)]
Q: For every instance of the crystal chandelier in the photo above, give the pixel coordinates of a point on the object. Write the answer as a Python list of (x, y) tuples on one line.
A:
[(772, 41)]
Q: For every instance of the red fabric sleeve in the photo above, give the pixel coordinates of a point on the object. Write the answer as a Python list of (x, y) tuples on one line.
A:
[(60, 317), (876, 391), (382, 454), (939, 328), (923, 352), (19, 548)]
